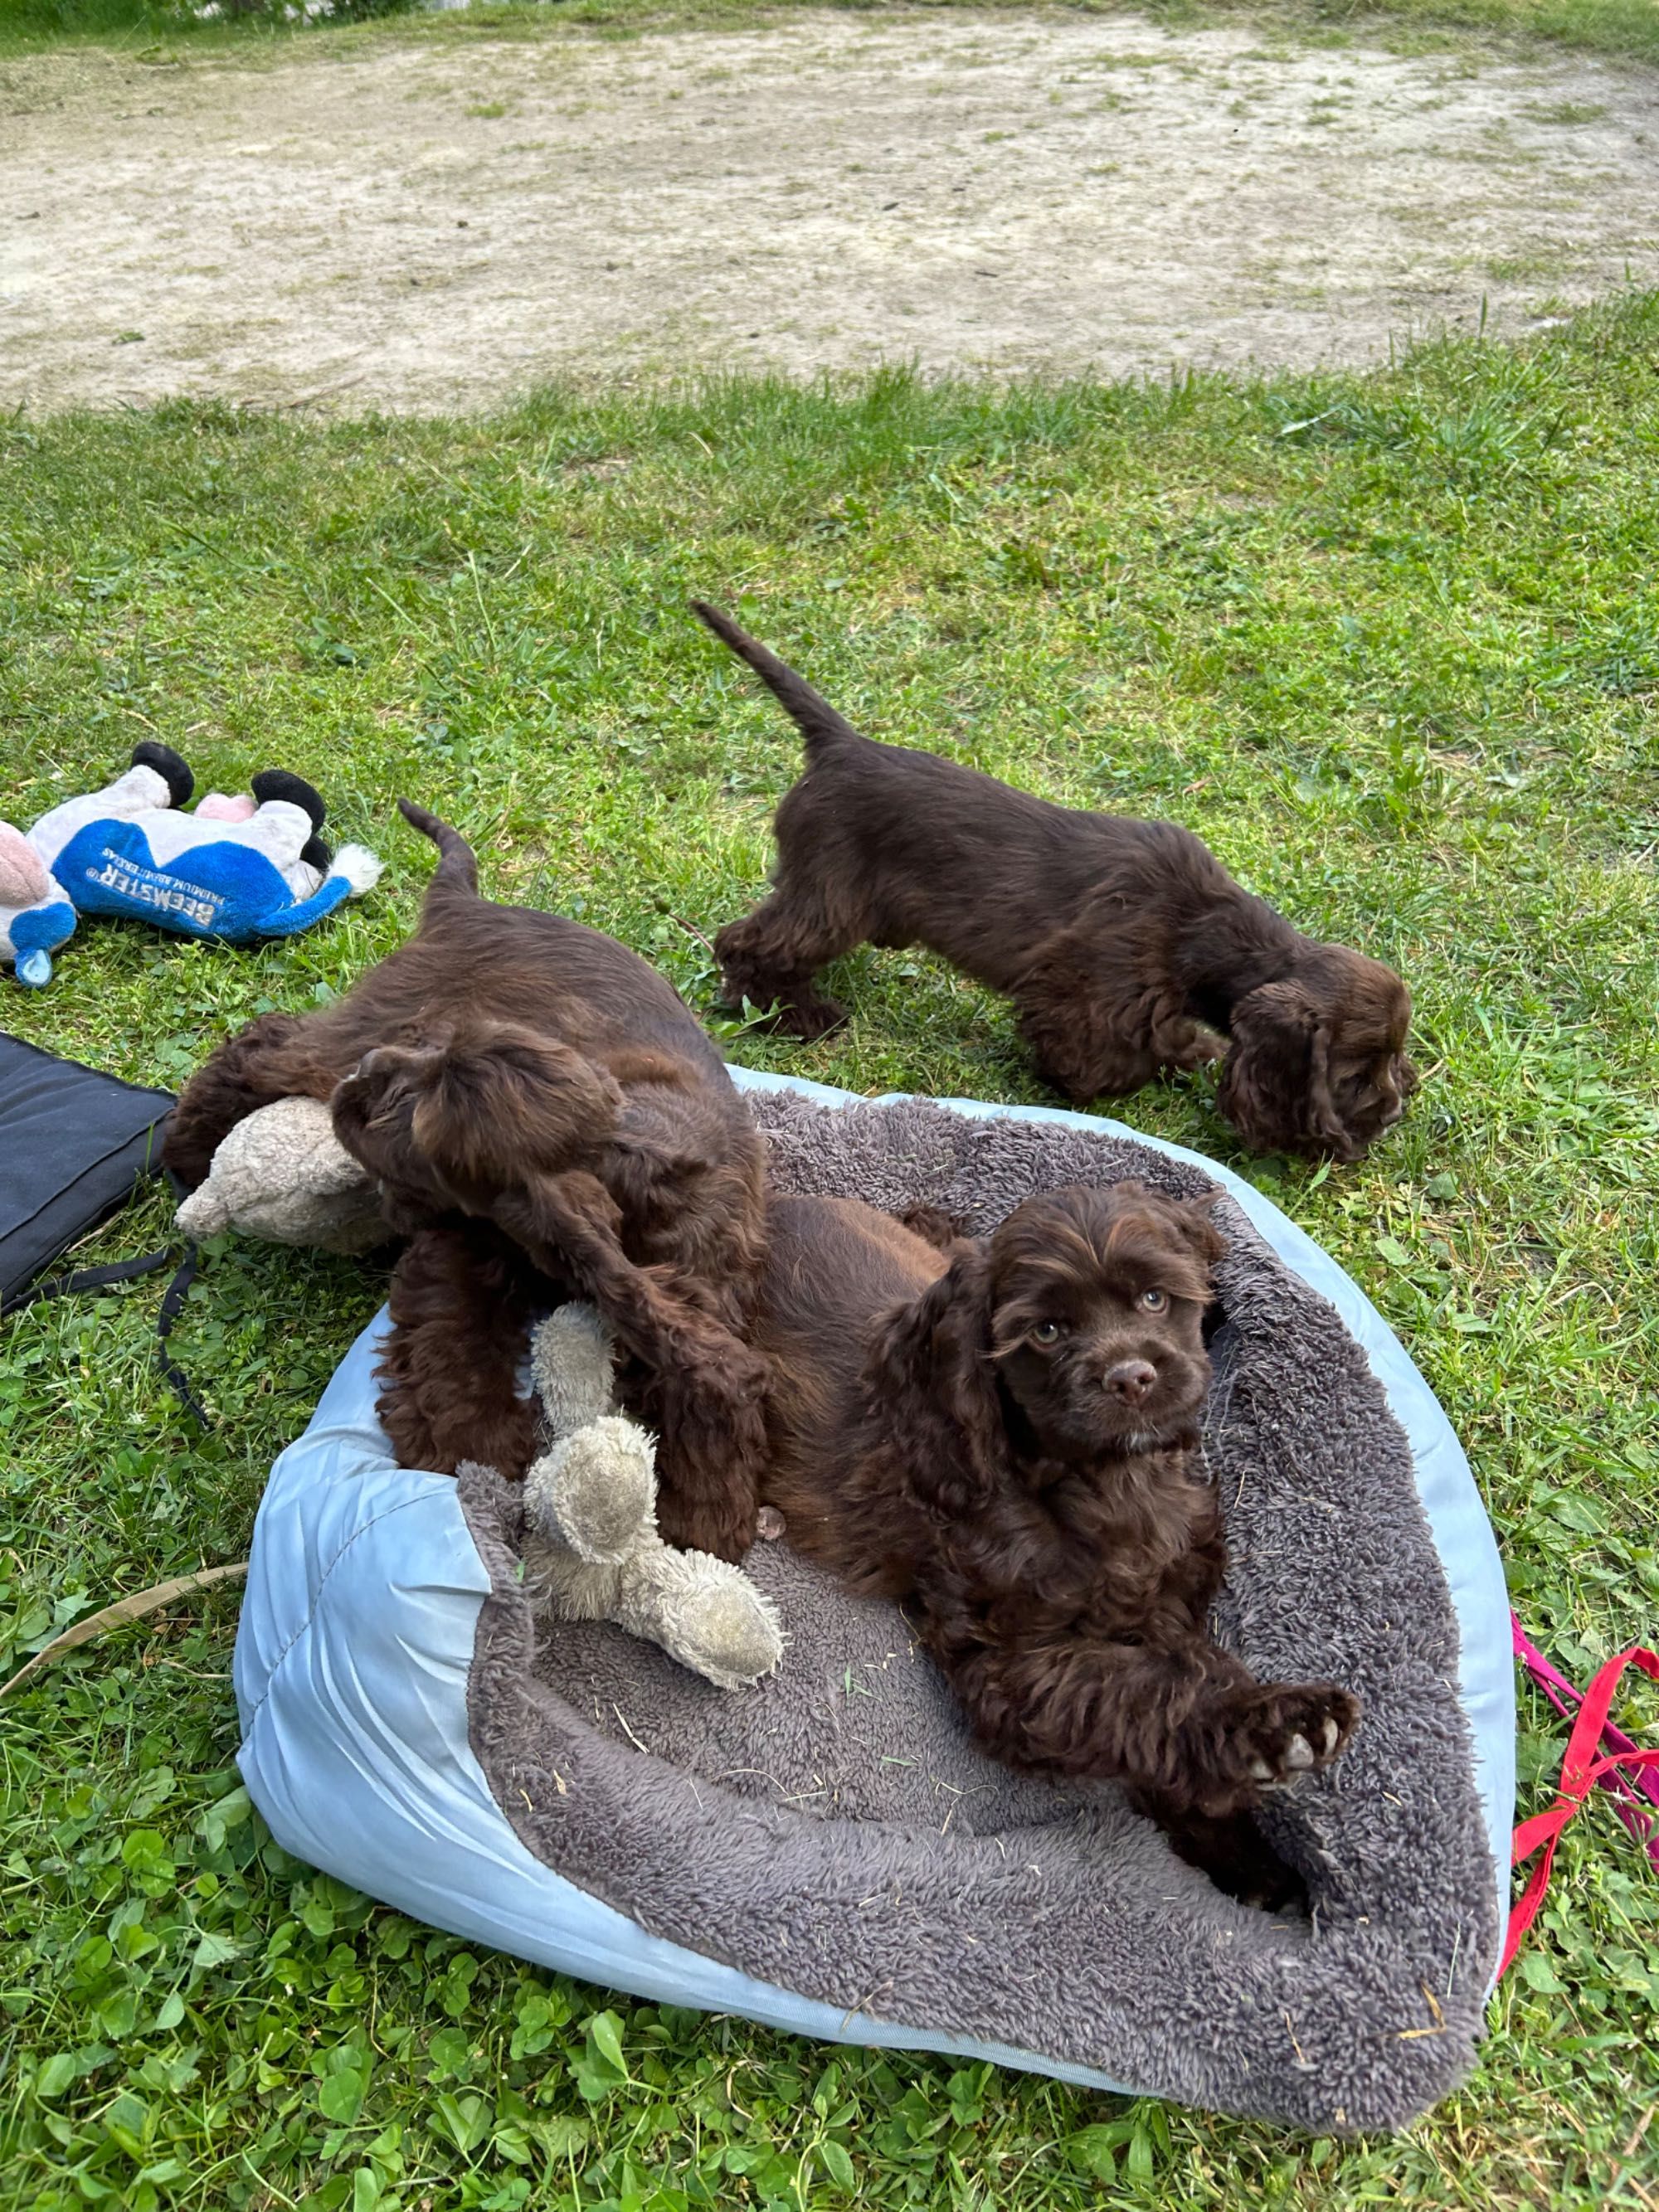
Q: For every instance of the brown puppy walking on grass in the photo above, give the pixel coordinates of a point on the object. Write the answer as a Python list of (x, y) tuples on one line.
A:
[(1125, 946)]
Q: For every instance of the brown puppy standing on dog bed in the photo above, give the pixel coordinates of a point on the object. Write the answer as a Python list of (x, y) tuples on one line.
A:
[(1002, 1437), (546, 1119), (1124, 945)]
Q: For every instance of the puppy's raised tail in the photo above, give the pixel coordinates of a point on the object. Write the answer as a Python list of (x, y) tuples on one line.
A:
[(458, 869), (818, 722)]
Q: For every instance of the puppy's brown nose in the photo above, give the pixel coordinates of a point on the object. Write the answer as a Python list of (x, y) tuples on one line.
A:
[(1131, 1380)]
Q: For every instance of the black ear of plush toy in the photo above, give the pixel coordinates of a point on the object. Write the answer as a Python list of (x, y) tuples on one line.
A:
[(279, 783), (172, 768)]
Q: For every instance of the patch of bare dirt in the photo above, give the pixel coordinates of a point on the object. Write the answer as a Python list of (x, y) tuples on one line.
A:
[(414, 226)]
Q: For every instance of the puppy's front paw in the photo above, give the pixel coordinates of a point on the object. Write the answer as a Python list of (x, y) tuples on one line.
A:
[(812, 1018), (1199, 1047), (1286, 1729)]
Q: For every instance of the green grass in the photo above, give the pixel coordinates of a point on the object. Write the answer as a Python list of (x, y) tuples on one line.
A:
[(27, 24), (1619, 29), (1391, 642)]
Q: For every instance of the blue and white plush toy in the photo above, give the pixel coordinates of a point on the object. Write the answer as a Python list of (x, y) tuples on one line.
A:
[(237, 868)]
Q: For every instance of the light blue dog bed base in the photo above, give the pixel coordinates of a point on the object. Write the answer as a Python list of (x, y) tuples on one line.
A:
[(357, 1641)]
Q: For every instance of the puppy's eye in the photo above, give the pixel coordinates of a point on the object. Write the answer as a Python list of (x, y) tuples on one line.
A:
[(1045, 1332), (1154, 1301)]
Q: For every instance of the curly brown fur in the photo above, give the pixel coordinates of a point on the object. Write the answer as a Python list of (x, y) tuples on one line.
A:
[(1005, 1441), (1125, 946), (501, 1054), (702, 1387), (449, 1375)]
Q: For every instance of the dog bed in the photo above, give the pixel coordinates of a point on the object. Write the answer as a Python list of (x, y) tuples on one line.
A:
[(828, 1852)]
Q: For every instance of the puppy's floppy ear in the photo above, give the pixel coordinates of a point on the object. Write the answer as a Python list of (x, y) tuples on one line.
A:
[(1275, 1083), (1197, 1225), (497, 1102), (931, 1382), (373, 1106), (705, 1389)]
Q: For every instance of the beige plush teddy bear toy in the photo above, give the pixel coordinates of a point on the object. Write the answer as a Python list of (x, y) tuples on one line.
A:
[(283, 1174), (592, 1550)]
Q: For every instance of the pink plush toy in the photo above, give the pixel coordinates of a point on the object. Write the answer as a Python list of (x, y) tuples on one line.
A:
[(35, 918)]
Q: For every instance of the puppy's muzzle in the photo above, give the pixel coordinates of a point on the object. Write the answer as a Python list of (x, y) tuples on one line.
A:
[(1131, 1382)]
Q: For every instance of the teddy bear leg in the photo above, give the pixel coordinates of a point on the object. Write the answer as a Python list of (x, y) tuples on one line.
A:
[(565, 1587), (557, 1583), (276, 828), (172, 768), (279, 783), (704, 1612)]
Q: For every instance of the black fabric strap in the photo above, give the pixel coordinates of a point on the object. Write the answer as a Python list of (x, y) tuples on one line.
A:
[(172, 1304), (127, 1271), (88, 1278)]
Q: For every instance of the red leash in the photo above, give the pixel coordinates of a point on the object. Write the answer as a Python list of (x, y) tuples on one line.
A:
[(1638, 1794), (1580, 1770)]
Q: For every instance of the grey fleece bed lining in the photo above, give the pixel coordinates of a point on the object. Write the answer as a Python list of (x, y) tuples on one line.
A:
[(834, 1830)]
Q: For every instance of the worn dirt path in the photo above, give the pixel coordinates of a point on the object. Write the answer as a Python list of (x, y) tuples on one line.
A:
[(418, 226)]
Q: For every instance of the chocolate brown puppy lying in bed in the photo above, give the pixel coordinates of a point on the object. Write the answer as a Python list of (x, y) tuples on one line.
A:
[(1002, 1437), (1125, 946)]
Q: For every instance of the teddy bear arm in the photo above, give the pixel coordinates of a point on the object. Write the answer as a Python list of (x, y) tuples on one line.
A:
[(571, 1358)]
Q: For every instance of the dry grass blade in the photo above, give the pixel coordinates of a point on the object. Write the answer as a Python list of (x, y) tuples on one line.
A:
[(119, 1615)]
